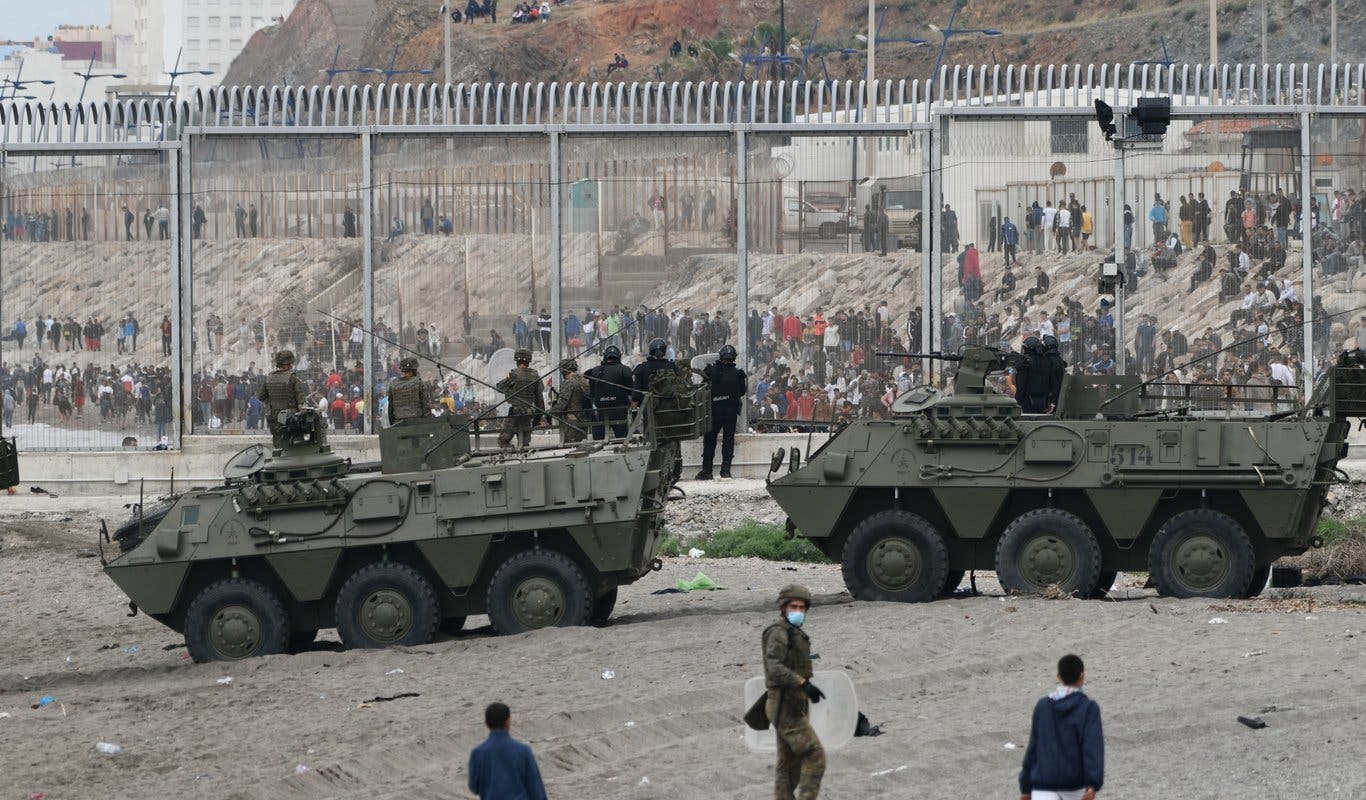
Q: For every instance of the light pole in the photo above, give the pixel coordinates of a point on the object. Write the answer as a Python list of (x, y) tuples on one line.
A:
[(1213, 32), (176, 72), (333, 71), (877, 40), (391, 72), (86, 78), (948, 32), (446, 38)]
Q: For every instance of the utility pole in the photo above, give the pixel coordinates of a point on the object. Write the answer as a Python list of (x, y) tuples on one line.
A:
[(1263, 31), (1213, 32), (872, 42), (1333, 32), (446, 14), (1120, 254)]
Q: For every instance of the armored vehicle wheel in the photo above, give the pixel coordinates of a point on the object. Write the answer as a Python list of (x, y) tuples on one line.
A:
[(538, 589), (300, 640), (1201, 553), (452, 626), (895, 555), (602, 607), (1260, 576), (951, 581), (1104, 585), (235, 619), (1048, 547), (384, 604)]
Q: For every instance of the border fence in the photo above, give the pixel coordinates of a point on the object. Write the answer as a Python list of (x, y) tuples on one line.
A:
[(156, 252)]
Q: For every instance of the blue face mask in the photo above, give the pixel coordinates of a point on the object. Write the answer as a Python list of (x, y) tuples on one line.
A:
[(796, 617)]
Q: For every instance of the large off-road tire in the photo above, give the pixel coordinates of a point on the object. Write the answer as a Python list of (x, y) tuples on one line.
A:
[(602, 607), (1260, 576), (1104, 585), (1048, 547), (1201, 553), (895, 555), (538, 589), (385, 604), (235, 619), (827, 230)]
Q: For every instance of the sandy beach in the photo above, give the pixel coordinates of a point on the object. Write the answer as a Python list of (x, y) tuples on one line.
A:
[(951, 684)]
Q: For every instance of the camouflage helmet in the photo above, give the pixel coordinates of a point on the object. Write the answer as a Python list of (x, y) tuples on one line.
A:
[(727, 354), (658, 348), (794, 591), (522, 356), (611, 353), (284, 357), (408, 364), (569, 365)]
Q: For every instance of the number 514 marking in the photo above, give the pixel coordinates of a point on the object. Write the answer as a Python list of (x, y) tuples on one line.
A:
[(1130, 455)]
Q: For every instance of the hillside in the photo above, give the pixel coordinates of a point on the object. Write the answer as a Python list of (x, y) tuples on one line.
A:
[(582, 36)]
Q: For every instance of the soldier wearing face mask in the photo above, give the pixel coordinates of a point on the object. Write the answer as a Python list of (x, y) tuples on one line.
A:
[(787, 676)]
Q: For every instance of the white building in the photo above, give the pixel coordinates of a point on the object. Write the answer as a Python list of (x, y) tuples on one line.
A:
[(140, 43), (213, 32), (71, 49)]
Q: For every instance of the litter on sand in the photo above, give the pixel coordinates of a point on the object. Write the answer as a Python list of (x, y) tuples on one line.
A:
[(108, 748), (865, 728), (696, 553), (225, 681), (1010, 745), (699, 583), (1255, 723), (669, 590), (882, 772), (395, 671), (300, 769), (387, 698), (1218, 621), (609, 674)]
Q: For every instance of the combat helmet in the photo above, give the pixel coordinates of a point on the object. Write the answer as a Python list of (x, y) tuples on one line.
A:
[(658, 348), (522, 356), (611, 353), (569, 365), (408, 364), (1050, 344), (727, 354), (284, 357), (1032, 345), (794, 591)]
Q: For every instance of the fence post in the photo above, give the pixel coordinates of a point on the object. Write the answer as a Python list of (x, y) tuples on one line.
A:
[(556, 265), (367, 280), (1307, 239), (182, 291), (927, 243), (742, 259)]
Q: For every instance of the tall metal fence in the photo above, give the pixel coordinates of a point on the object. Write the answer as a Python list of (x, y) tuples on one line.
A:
[(155, 254)]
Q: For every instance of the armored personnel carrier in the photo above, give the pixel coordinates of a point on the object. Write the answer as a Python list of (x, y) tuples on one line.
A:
[(300, 538), (1201, 486)]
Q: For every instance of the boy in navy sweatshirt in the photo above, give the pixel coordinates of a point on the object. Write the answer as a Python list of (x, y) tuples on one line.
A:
[(1065, 759)]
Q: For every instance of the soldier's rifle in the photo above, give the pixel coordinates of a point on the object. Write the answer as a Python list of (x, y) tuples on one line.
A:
[(442, 365), (601, 342)]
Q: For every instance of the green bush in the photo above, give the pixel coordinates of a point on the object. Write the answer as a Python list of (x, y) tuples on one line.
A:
[(750, 540), (1068, 14), (1189, 14), (1128, 5)]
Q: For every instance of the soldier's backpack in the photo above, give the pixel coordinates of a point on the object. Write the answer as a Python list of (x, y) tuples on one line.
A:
[(679, 409)]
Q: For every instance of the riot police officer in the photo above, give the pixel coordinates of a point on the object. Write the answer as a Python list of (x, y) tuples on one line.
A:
[(728, 387), (1033, 378), (609, 386), (645, 370), (526, 401), (409, 396), (283, 393), (1057, 369), (571, 402)]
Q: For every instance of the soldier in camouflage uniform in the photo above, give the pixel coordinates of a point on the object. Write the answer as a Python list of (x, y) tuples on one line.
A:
[(526, 402), (571, 402), (787, 674), (283, 392), (409, 397)]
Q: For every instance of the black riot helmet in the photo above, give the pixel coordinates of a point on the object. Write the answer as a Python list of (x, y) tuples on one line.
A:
[(1050, 344), (611, 353), (727, 354), (1032, 345), (658, 348)]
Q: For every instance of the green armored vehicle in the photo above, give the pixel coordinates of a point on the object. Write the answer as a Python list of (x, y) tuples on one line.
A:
[(1201, 486), (302, 539)]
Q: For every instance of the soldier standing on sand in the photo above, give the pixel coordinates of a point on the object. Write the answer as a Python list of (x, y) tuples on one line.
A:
[(571, 401), (787, 675), (409, 396), (525, 400), (283, 391)]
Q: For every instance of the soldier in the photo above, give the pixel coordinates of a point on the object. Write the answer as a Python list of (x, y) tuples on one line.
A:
[(609, 386), (283, 392), (571, 401), (787, 675), (525, 400), (1057, 369), (645, 370), (409, 397), (1033, 378), (728, 387)]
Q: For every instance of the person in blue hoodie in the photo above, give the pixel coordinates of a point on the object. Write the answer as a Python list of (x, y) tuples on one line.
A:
[(503, 768), (1065, 759)]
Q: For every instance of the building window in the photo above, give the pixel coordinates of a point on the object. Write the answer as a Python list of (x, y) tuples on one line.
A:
[(235, 45), (215, 66), (214, 22), (257, 22), (234, 22), (192, 45), (215, 44), (1068, 135), (192, 22)]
